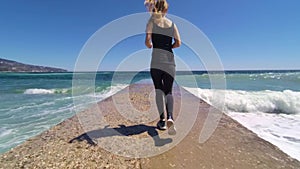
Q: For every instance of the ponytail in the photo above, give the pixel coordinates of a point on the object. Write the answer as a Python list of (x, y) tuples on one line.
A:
[(156, 7)]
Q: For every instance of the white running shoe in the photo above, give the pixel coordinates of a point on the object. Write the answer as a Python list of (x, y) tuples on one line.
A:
[(171, 127)]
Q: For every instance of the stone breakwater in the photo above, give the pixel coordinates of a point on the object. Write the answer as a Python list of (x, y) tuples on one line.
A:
[(72, 145)]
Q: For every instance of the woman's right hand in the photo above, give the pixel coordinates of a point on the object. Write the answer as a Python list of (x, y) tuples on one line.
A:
[(149, 45)]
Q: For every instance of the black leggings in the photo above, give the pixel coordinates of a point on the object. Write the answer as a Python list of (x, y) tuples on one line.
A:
[(163, 83)]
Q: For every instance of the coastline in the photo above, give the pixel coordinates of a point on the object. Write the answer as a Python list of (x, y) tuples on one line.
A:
[(231, 145)]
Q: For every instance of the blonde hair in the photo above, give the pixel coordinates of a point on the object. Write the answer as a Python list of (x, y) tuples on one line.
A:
[(157, 8)]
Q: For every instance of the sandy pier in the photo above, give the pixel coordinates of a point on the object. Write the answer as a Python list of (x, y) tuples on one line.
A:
[(113, 135)]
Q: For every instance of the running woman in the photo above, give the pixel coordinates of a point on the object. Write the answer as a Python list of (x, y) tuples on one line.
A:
[(162, 36)]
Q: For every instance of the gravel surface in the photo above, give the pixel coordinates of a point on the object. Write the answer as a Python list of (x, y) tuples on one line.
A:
[(120, 132)]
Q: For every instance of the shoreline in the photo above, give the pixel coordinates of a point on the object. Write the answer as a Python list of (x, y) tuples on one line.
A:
[(231, 145)]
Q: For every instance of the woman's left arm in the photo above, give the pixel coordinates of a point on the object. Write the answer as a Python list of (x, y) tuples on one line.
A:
[(177, 40)]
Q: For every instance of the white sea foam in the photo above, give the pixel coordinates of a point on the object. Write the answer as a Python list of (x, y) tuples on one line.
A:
[(47, 91), (281, 130), (38, 91), (272, 115), (267, 101), (107, 92), (39, 117), (30, 106), (110, 91), (4, 131)]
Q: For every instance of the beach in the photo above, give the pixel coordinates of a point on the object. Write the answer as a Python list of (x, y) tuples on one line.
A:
[(72, 144)]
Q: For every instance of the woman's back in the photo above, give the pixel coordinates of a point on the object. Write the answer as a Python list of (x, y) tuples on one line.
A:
[(162, 35)]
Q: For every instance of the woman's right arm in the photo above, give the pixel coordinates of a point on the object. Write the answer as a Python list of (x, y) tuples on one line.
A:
[(148, 41)]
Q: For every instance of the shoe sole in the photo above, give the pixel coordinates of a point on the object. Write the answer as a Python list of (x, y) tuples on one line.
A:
[(161, 128), (171, 127)]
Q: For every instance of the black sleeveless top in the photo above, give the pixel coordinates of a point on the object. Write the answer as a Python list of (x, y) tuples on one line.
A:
[(162, 53), (162, 37)]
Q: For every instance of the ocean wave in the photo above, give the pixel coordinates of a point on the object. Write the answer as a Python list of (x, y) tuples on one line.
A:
[(4, 131), (272, 115), (29, 106), (266, 101), (282, 130), (47, 91), (81, 90), (38, 91), (275, 76), (31, 118), (112, 90)]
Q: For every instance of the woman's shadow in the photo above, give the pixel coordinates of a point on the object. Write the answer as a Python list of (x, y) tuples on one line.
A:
[(122, 130)]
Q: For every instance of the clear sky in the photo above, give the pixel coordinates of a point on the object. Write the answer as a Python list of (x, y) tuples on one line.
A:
[(247, 34)]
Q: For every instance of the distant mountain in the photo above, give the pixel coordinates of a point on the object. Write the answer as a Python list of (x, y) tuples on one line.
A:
[(13, 66)]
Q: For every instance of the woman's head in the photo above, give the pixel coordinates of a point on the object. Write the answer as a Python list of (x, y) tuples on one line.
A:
[(158, 8)]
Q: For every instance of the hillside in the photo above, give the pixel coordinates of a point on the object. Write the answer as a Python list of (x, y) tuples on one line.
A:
[(13, 66)]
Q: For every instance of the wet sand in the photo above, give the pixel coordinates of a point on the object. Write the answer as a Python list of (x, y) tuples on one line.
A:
[(112, 135)]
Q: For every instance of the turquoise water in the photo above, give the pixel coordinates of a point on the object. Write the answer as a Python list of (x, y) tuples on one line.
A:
[(247, 80), (31, 103), (266, 102)]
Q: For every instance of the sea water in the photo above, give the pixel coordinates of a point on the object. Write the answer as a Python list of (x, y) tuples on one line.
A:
[(266, 102), (31, 103)]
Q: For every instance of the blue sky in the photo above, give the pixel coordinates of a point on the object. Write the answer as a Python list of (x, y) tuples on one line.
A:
[(247, 34)]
